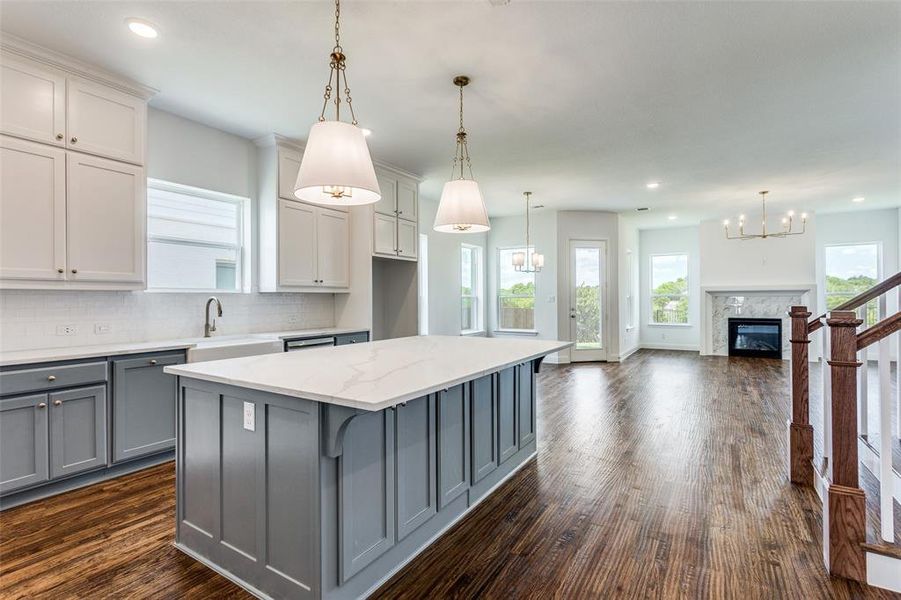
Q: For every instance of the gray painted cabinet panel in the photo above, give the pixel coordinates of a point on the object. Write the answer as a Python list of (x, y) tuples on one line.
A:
[(508, 427), (526, 396), (199, 473), (453, 443), (366, 509), (48, 378), (352, 338), (77, 430), (23, 442), (416, 464), (143, 406), (484, 427)]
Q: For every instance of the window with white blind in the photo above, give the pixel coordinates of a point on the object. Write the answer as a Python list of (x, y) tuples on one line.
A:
[(197, 239)]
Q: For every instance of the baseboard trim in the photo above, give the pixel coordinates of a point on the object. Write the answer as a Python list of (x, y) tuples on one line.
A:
[(624, 355), (685, 347)]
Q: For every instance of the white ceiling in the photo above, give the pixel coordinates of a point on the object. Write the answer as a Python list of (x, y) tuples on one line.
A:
[(580, 102)]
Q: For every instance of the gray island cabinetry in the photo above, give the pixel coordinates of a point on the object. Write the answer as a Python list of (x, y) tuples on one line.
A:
[(319, 474)]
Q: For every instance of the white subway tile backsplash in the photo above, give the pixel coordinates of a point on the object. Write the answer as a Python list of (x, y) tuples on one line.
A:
[(29, 319)]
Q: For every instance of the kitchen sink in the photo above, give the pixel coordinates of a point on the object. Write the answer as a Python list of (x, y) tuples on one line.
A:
[(234, 346)]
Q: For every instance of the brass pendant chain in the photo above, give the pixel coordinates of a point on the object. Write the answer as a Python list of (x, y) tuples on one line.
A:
[(337, 64), (461, 154)]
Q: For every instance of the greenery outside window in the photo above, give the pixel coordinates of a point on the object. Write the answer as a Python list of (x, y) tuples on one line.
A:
[(669, 289), (851, 269), (471, 288), (515, 293)]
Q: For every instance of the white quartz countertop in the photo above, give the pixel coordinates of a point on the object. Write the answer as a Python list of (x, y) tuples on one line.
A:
[(372, 376), (22, 357)]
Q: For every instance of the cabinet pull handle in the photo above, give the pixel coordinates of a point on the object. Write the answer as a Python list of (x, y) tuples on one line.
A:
[(57, 402), (152, 361), (74, 140), (42, 405), (353, 341), (74, 271), (51, 378), (59, 136), (60, 270)]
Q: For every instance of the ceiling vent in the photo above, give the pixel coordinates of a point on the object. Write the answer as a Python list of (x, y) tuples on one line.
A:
[(642, 209)]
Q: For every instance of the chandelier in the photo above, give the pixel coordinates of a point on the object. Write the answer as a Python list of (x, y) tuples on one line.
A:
[(519, 258), (461, 209), (336, 168), (787, 225)]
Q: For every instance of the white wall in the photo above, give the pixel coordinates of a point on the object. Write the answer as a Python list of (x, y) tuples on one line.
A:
[(682, 240), (444, 271), (629, 289)]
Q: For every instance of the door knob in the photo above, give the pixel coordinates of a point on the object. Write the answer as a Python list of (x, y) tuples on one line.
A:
[(57, 402), (42, 405), (74, 140), (59, 136), (51, 378)]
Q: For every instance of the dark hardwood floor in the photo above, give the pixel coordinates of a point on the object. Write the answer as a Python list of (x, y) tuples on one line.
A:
[(663, 477)]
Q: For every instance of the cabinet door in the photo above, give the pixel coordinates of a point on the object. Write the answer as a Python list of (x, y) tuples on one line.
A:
[(453, 444), (388, 203), (407, 201), (23, 442), (105, 122), (366, 508), (143, 406), (32, 211), (484, 427), (106, 214), (333, 248), (508, 426), (77, 430), (384, 235), (296, 244), (416, 475), (288, 166), (33, 102), (407, 246), (525, 394)]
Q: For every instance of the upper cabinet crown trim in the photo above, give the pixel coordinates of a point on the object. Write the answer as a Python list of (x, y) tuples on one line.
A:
[(17, 46)]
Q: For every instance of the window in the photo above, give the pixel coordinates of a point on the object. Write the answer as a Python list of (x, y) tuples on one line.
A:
[(471, 288), (669, 289), (851, 269), (196, 239), (515, 293)]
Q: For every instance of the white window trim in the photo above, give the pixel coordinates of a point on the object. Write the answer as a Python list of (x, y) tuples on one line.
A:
[(651, 295), (879, 270), (478, 296), (497, 300), (244, 259)]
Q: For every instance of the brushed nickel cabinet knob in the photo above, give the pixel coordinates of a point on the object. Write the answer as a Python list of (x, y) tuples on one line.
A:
[(51, 378), (42, 405), (74, 271), (57, 402), (60, 270), (59, 136), (74, 140), (152, 361)]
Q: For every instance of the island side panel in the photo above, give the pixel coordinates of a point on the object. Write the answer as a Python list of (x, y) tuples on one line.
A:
[(247, 479)]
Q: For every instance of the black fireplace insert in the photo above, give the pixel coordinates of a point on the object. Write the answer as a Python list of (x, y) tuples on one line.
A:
[(755, 337)]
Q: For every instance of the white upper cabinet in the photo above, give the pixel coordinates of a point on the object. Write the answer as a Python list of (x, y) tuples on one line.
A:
[(32, 211), (388, 203), (105, 205), (395, 218), (296, 244), (384, 235), (407, 201), (407, 245), (288, 166), (333, 256), (33, 101), (105, 122)]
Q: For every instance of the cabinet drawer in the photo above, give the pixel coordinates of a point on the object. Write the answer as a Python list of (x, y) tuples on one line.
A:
[(51, 378), (352, 338)]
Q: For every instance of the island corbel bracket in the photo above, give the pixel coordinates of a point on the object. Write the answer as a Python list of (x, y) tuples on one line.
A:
[(536, 364), (334, 423)]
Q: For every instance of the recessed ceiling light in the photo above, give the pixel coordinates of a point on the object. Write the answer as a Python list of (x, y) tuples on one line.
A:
[(672, 217), (366, 132), (143, 28), (858, 199), (653, 185)]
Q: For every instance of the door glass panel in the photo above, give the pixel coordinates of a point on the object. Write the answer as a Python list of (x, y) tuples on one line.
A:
[(588, 298)]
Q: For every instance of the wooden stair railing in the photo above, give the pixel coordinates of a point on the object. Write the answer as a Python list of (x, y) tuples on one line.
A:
[(859, 300)]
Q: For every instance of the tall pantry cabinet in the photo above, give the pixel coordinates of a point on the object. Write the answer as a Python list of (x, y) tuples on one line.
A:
[(72, 181)]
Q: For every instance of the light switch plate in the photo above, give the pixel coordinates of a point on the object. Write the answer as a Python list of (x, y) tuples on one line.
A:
[(101, 328), (250, 416)]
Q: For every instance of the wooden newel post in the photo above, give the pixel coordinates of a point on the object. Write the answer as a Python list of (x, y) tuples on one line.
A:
[(847, 503), (800, 430)]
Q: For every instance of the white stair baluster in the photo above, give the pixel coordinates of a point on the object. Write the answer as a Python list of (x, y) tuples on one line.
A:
[(886, 508)]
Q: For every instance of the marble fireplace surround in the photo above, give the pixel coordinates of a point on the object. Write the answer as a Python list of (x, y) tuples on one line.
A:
[(769, 301)]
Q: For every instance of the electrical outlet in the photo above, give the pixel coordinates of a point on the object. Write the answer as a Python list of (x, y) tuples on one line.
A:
[(102, 328), (66, 330)]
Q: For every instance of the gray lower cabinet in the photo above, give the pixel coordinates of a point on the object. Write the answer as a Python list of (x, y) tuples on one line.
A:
[(366, 501), (77, 430), (526, 396), (352, 338), (453, 443), (143, 405), (23, 442), (484, 427), (508, 426), (415, 451)]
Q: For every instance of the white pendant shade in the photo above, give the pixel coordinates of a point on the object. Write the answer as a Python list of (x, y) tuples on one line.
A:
[(336, 168), (461, 209)]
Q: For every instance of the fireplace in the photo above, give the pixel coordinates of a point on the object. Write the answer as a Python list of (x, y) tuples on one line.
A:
[(755, 337)]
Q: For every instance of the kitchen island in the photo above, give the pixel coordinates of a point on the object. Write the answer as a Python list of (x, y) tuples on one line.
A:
[(319, 474)]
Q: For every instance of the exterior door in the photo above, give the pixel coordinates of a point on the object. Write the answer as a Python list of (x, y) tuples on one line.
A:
[(588, 299)]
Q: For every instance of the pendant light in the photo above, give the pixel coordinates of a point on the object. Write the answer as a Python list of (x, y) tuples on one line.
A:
[(787, 225), (519, 258), (461, 209), (336, 168)]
